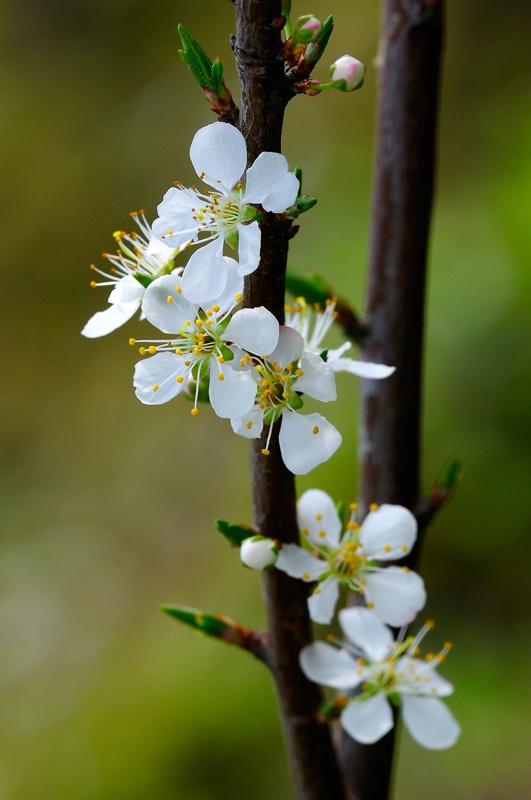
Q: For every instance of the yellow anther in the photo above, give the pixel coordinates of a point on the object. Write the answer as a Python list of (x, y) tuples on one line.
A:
[(370, 604), (265, 451), (373, 506), (315, 429), (353, 506), (93, 284), (238, 297), (299, 373), (178, 351), (220, 360), (352, 525), (215, 308), (132, 342), (264, 382), (404, 548), (155, 387), (243, 362), (179, 379), (142, 350), (194, 412), (430, 624), (248, 425), (318, 517), (306, 576), (330, 637), (429, 656), (117, 235), (305, 531), (448, 645), (152, 349), (178, 289), (387, 548), (169, 298), (322, 534), (187, 362), (198, 322), (406, 569), (221, 377)]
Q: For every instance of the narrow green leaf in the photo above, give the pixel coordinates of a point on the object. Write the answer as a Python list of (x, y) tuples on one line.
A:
[(195, 57), (235, 534), (209, 624), (451, 474), (315, 50), (312, 287)]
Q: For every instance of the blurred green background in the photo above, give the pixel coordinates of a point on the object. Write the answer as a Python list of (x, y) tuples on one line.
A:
[(107, 505)]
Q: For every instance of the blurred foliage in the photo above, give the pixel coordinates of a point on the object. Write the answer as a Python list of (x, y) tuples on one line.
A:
[(107, 506)]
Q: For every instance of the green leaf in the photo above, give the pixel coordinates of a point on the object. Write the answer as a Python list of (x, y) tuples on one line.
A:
[(312, 287), (196, 59), (218, 84), (209, 624), (298, 174), (235, 534), (304, 204), (451, 474)]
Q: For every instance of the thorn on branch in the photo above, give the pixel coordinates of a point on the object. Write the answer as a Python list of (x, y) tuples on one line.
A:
[(429, 506), (223, 628)]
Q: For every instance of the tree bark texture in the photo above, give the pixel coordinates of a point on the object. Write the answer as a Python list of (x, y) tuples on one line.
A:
[(403, 192), (265, 93)]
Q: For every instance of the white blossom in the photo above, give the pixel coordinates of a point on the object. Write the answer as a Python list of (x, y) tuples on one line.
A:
[(305, 440), (199, 347), (348, 73), (141, 257), (313, 323), (352, 560), (258, 552), (225, 212), (384, 671)]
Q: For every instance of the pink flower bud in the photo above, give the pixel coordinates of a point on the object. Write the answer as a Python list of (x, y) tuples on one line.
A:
[(307, 29), (348, 73)]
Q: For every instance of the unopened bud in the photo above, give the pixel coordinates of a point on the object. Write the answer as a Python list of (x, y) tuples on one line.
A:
[(347, 73), (258, 552), (307, 29)]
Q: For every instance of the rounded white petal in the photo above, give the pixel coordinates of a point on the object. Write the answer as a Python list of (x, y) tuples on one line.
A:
[(328, 666), (388, 533), (155, 378), (289, 348), (258, 552), (397, 594), (364, 369), (318, 380), (363, 628), (430, 683), (168, 315), (205, 276), (249, 426), (233, 396), (103, 322), (317, 514), (430, 722), (322, 601), (368, 720), (298, 563), (127, 292), (253, 329), (306, 441), (270, 183), (175, 224), (249, 242), (233, 288), (219, 155)]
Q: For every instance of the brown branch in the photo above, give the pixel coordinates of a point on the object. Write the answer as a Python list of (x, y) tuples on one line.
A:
[(391, 409), (264, 96)]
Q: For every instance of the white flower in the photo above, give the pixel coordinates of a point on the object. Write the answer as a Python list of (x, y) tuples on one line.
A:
[(140, 258), (198, 352), (388, 533), (348, 72), (258, 552), (313, 324), (385, 670), (223, 213), (305, 440)]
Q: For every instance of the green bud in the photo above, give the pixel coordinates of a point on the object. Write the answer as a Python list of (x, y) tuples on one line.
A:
[(307, 29), (196, 59)]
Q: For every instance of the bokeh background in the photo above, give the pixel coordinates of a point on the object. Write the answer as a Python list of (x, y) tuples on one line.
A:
[(107, 506)]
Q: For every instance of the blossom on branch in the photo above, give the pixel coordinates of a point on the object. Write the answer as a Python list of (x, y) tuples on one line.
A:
[(352, 560), (385, 672), (225, 213)]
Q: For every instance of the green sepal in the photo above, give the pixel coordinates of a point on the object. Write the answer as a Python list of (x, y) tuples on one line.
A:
[(226, 352), (298, 174), (341, 509), (209, 624), (232, 239), (204, 384), (315, 50), (394, 698), (196, 59), (234, 534), (304, 204), (144, 280), (295, 401), (450, 474), (313, 288)]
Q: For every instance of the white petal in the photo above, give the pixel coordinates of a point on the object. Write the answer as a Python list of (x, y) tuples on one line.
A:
[(318, 380), (289, 348), (430, 683), (175, 224), (258, 552), (328, 666), (162, 371), (316, 513), (253, 329), (249, 241), (234, 287), (167, 316), (368, 720), (127, 292), (306, 441), (298, 563), (364, 369), (398, 595), (205, 276), (270, 183), (322, 601), (219, 155), (234, 395), (388, 533), (363, 628), (430, 722), (103, 322), (249, 426)]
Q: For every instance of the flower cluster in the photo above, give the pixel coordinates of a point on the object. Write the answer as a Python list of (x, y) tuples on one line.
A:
[(253, 371)]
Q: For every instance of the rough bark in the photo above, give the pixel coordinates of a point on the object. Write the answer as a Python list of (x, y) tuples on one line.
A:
[(391, 409), (264, 96)]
